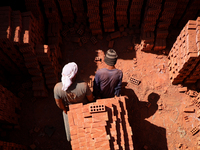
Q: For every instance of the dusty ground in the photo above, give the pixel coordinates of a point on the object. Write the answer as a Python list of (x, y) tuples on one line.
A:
[(160, 126)]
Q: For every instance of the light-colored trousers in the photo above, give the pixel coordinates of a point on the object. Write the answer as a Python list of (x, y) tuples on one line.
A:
[(67, 129)]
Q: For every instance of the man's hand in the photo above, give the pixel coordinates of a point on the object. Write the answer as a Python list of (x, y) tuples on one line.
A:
[(65, 111)]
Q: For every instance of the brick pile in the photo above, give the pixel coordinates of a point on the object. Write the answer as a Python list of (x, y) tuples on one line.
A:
[(78, 9), (47, 58), (54, 36), (93, 16), (121, 12), (8, 64), (66, 10), (9, 103), (10, 33), (100, 128), (108, 15), (180, 8), (184, 56), (35, 71), (164, 23), (51, 11), (135, 13), (10, 145), (34, 7), (190, 13), (152, 11), (30, 36)]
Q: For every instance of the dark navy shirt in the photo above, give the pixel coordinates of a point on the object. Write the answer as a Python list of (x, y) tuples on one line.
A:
[(107, 83)]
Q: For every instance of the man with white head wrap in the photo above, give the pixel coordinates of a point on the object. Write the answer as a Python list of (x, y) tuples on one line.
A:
[(70, 91)]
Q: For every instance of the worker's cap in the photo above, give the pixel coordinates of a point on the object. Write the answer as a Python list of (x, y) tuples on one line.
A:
[(111, 57)]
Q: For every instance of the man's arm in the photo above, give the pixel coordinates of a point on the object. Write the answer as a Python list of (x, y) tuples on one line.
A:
[(90, 97), (96, 88), (60, 104), (119, 85)]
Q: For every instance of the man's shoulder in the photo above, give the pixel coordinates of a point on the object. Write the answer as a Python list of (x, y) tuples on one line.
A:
[(81, 83), (101, 70), (58, 85)]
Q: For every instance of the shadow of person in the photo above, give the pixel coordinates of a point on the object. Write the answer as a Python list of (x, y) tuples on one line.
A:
[(145, 134)]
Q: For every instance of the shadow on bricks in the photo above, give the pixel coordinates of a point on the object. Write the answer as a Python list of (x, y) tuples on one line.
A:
[(145, 134)]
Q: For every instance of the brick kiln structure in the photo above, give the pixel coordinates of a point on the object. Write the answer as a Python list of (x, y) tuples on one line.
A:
[(100, 125), (184, 66), (24, 48)]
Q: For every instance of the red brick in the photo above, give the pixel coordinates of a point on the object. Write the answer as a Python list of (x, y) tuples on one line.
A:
[(115, 35), (189, 110), (75, 106)]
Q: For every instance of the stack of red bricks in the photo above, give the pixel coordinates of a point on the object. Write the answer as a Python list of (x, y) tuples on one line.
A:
[(9, 103), (35, 71), (108, 15), (34, 7), (50, 68), (66, 9), (164, 23), (184, 56), (10, 145), (54, 36), (78, 9), (135, 13), (10, 32), (51, 11), (180, 8), (93, 15), (100, 125), (152, 11), (8, 64), (191, 12), (121, 12), (30, 34)]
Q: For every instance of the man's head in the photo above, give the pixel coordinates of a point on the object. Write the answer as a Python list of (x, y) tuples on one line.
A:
[(69, 71), (110, 57)]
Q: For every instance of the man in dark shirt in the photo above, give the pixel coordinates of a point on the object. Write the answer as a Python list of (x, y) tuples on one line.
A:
[(108, 80)]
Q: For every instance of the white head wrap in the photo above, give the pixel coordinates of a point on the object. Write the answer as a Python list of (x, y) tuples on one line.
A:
[(68, 72)]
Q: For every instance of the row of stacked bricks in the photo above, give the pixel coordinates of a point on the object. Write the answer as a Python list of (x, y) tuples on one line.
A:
[(135, 13), (79, 11), (11, 23), (164, 23), (152, 11), (9, 103), (29, 41), (51, 11), (180, 8), (34, 7), (94, 17), (121, 12), (184, 56), (46, 55), (100, 125), (10, 145), (66, 10), (191, 12), (6, 39), (108, 15)]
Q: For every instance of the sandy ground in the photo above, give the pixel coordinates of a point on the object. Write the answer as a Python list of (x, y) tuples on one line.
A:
[(160, 126)]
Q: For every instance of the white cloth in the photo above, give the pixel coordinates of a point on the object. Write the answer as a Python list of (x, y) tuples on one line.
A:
[(68, 72)]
